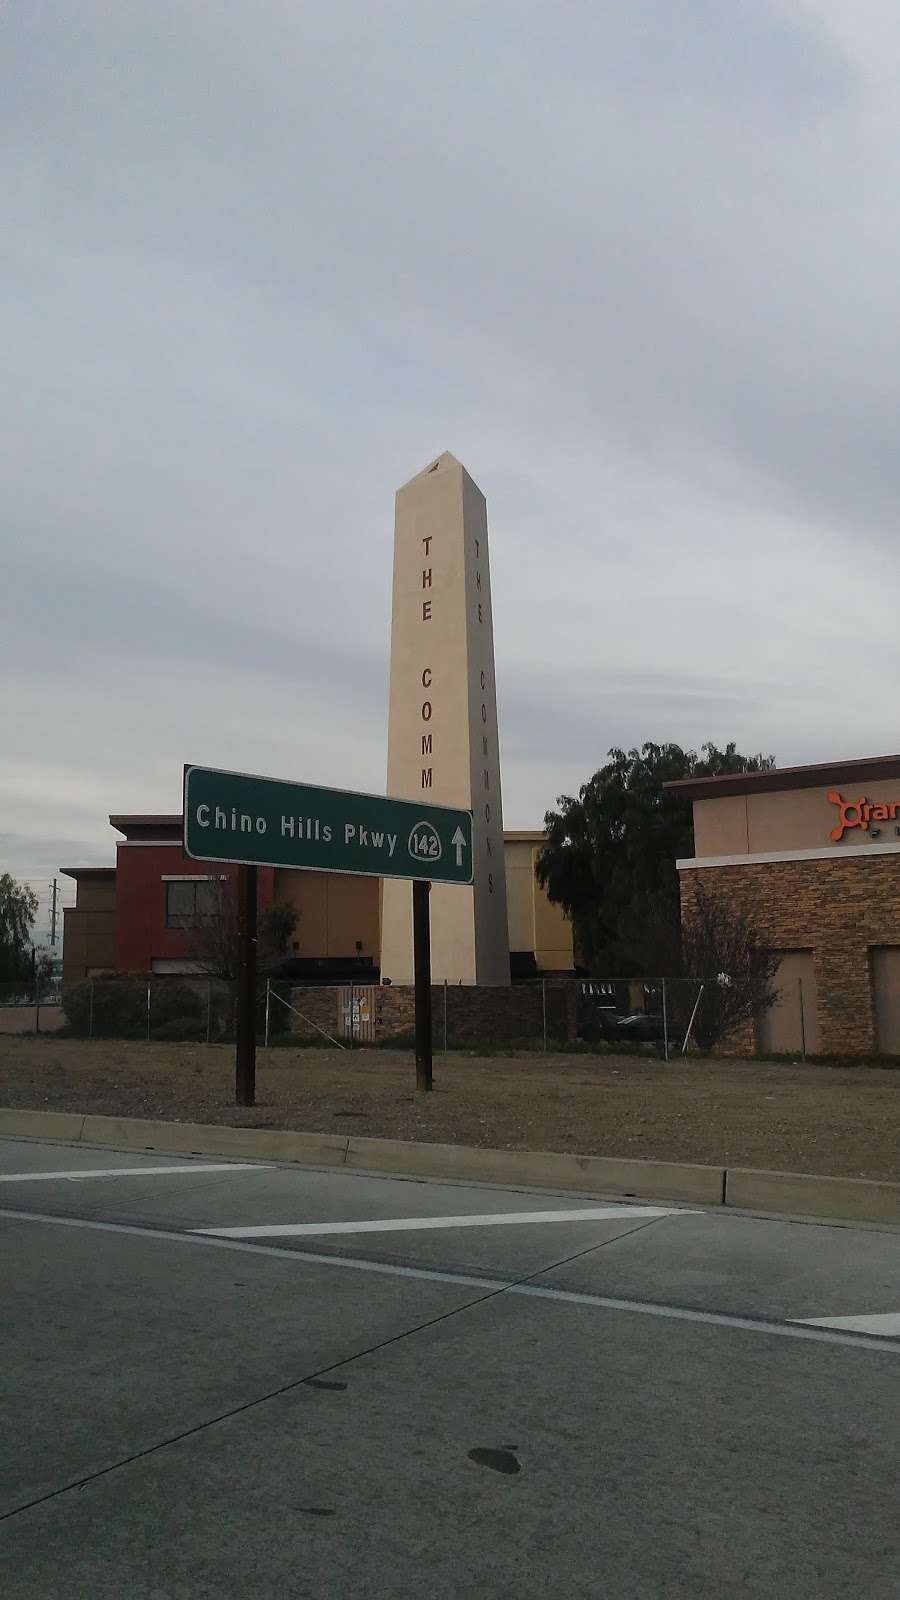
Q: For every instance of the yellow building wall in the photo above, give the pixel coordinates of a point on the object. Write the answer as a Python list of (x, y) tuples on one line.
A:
[(334, 912), (520, 894), (337, 909), (534, 923)]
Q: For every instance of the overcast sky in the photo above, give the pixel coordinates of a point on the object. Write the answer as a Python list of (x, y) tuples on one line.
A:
[(636, 264)]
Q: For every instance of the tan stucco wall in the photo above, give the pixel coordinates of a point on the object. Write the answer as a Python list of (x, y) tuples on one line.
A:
[(334, 912), (793, 819), (96, 894), (720, 826), (784, 1028), (89, 928), (89, 943), (337, 909), (534, 923), (520, 894), (442, 724)]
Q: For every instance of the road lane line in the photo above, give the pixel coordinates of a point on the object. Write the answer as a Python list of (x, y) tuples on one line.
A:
[(491, 1286), (501, 1219), (884, 1324), (76, 1174)]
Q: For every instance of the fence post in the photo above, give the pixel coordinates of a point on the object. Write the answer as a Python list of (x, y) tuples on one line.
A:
[(445, 1016), (148, 1013), (802, 1022), (693, 1018), (37, 1002), (665, 1021), (268, 1003), (91, 1013), (544, 1010), (208, 1008)]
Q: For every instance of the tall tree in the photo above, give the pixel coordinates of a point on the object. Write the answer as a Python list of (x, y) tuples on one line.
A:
[(610, 855), (18, 909)]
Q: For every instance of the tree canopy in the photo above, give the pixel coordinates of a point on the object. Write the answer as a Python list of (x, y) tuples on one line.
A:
[(610, 855), (18, 909)]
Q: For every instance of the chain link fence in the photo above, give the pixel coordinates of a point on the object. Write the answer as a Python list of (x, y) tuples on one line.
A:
[(640, 1012), (616, 1014), (31, 1005), (187, 1010), (545, 1014)]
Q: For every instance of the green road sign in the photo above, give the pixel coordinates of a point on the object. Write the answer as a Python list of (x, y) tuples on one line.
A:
[(262, 822)]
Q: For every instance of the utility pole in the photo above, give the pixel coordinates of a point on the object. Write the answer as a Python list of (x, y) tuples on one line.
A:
[(53, 915)]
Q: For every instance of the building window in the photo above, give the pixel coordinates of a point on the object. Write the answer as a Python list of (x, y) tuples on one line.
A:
[(187, 904)]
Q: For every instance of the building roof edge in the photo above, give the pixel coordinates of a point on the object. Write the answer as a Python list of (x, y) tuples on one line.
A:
[(781, 778)]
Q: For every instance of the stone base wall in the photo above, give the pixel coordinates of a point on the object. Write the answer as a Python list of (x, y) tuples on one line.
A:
[(497, 1015), (838, 910), (317, 1011)]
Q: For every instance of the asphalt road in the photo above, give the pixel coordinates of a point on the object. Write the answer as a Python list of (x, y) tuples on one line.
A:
[(370, 1386)]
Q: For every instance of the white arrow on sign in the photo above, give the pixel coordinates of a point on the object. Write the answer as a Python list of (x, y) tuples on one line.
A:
[(459, 839)]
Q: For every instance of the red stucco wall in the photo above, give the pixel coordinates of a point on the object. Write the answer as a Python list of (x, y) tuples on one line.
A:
[(141, 933)]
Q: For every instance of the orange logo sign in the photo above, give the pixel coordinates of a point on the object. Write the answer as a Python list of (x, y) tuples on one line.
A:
[(859, 813)]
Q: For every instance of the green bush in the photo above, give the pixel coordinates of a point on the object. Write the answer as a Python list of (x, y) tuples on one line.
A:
[(187, 1029), (176, 1002), (112, 1010), (118, 1009)]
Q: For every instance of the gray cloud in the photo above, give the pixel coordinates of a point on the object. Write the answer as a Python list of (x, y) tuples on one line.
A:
[(635, 265)]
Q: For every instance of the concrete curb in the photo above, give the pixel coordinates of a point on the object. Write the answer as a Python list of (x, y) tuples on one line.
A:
[(211, 1139), (65, 1125), (794, 1193), (654, 1180), (856, 1199)]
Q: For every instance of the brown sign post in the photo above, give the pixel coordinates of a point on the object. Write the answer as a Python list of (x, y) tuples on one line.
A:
[(422, 968), (245, 1007)]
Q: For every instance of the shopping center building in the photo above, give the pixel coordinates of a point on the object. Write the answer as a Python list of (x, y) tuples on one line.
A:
[(139, 915), (811, 855)]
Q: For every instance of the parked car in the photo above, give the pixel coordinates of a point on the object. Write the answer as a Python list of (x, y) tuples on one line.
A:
[(605, 1022), (642, 1025)]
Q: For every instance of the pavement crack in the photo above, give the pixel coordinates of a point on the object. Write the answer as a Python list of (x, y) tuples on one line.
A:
[(308, 1379)]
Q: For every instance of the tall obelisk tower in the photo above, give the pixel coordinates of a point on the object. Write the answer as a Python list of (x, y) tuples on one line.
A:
[(442, 731)]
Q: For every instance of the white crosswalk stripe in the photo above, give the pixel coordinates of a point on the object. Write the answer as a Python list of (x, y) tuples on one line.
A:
[(886, 1324), (493, 1219), (76, 1174)]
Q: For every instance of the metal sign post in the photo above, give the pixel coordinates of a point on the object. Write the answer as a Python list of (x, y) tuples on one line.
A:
[(245, 1008), (422, 966)]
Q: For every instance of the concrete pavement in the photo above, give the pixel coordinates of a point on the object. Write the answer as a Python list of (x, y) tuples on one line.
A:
[(585, 1398)]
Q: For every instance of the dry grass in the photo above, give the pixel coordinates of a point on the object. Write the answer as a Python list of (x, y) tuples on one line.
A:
[(803, 1119)]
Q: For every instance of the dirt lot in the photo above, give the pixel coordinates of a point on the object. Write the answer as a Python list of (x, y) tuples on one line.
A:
[(837, 1120)]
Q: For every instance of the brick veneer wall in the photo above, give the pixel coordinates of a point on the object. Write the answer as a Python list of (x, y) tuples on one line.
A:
[(502, 1015), (317, 1006), (835, 908)]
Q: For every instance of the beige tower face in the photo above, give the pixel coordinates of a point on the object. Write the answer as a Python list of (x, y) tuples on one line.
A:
[(442, 732)]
